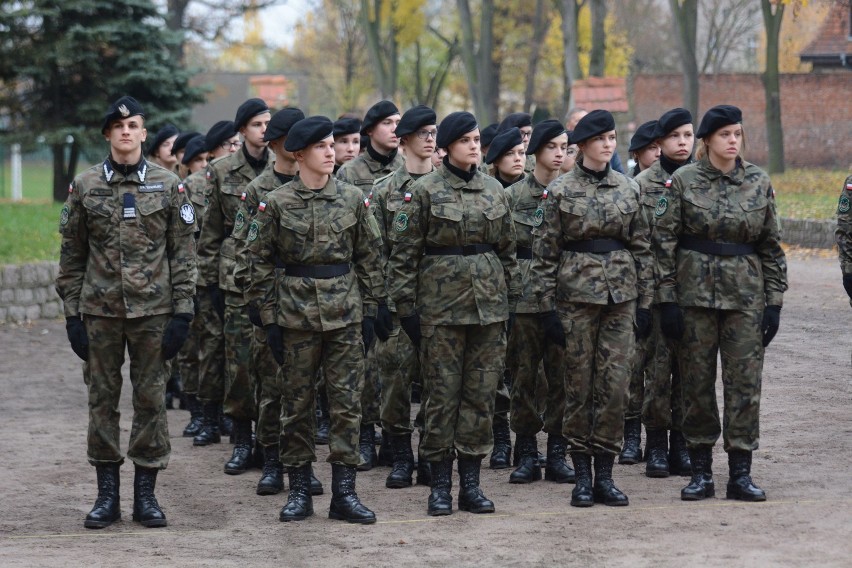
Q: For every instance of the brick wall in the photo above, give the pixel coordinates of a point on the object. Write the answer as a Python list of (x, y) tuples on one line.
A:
[(816, 112), (27, 292)]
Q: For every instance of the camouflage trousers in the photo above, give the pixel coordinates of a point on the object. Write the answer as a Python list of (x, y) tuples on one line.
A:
[(211, 350), (341, 354), (149, 436), (399, 368), (642, 357), (266, 371), (599, 352), (187, 359), (502, 400), (371, 397), (527, 349), (735, 336), (662, 408), (240, 396), (461, 366)]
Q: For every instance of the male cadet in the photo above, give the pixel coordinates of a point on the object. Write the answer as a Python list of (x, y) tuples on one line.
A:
[(126, 277), (216, 259), (380, 159), (221, 140), (178, 150), (397, 358)]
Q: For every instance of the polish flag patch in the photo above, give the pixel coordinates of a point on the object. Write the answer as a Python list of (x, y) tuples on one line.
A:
[(849, 187), (181, 188), (209, 175), (668, 183), (545, 193), (407, 197), (262, 206), (367, 201), (243, 196), (70, 188)]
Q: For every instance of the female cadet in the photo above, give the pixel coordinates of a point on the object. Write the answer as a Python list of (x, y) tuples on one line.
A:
[(507, 156), (643, 147), (454, 259), (160, 150), (722, 279), (347, 140), (594, 277), (570, 156)]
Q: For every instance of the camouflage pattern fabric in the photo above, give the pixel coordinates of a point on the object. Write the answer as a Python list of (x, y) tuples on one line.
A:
[(363, 170), (636, 384), (662, 407), (525, 201), (240, 384), (187, 359), (268, 384), (843, 233), (399, 368), (211, 353)]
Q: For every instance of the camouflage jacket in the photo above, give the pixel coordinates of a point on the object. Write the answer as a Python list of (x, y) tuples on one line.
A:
[(738, 207), (364, 170), (578, 208), (843, 234), (196, 187), (300, 226), (449, 289), (525, 198), (652, 183), (117, 261)]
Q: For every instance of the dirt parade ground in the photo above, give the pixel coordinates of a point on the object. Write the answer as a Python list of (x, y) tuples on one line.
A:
[(804, 464)]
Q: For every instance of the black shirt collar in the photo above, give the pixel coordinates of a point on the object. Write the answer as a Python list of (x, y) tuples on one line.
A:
[(383, 160), (256, 164), (597, 175), (670, 166), (465, 175)]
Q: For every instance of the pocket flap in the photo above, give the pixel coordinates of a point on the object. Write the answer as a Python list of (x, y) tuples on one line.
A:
[(342, 223), (697, 199)]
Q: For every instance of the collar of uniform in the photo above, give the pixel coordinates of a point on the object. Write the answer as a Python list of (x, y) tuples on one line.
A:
[(657, 174), (109, 171), (608, 180), (374, 165), (328, 191), (534, 186), (735, 177), (477, 183)]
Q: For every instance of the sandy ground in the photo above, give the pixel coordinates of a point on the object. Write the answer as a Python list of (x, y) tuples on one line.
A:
[(804, 462)]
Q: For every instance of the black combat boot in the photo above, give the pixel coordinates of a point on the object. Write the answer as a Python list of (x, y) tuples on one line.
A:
[(300, 504), (679, 463), (441, 497), (323, 420), (387, 453), (502, 451), (740, 485), (582, 495), (471, 497), (345, 505), (605, 490), (196, 421), (556, 468), (146, 510), (272, 479), (107, 508), (701, 485), (528, 468), (631, 452), (403, 463), (209, 425), (316, 485), (241, 457), (367, 448), (656, 453)]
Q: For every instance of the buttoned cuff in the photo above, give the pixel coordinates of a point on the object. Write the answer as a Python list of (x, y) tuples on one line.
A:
[(184, 306), (668, 294), (774, 298), (370, 310)]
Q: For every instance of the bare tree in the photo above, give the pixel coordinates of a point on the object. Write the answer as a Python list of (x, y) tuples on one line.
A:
[(427, 93), (773, 15), (597, 61), (686, 22), (541, 24), (383, 46), (729, 27), (569, 10), (483, 72)]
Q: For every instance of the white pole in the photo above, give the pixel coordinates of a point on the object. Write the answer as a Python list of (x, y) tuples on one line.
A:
[(17, 183)]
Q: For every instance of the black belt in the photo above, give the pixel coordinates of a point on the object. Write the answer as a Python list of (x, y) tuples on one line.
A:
[(594, 245), (524, 253), (316, 270), (464, 250), (716, 248)]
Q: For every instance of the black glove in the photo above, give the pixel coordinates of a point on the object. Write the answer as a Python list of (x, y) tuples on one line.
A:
[(175, 335), (368, 332), (671, 320), (643, 323), (847, 284), (411, 326), (771, 321), (384, 322), (554, 331), (510, 323), (254, 315), (275, 341), (196, 308), (77, 336), (217, 299)]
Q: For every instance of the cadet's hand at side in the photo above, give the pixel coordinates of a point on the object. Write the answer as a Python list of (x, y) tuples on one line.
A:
[(175, 335), (643, 323), (771, 321), (411, 326), (77, 336), (671, 320), (384, 322), (217, 299), (275, 340), (554, 331), (254, 316)]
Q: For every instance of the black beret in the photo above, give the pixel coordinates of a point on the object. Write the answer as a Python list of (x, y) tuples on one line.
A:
[(281, 123), (672, 119), (308, 131), (193, 148), (544, 132), (454, 126), (486, 136), (717, 117), (377, 113), (161, 136), (218, 133), (182, 140), (414, 118), (344, 126), (125, 107), (248, 110), (644, 135), (515, 120), (596, 122), (502, 143)]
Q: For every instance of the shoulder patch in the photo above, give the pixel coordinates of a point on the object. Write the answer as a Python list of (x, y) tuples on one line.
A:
[(64, 215), (538, 217), (843, 204), (662, 207), (187, 213), (239, 220), (254, 229), (401, 222)]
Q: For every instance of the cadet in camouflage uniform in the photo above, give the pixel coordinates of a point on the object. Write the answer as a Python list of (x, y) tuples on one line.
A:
[(523, 122), (216, 259), (347, 140), (722, 279), (399, 367), (127, 267), (453, 270), (322, 310), (380, 158), (594, 276), (528, 348), (843, 235)]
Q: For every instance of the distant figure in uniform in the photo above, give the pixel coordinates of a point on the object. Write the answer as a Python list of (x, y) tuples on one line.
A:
[(160, 150), (723, 275), (573, 117), (126, 278), (570, 156), (179, 148), (486, 137), (643, 147), (506, 157), (843, 235), (347, 140), (523, 122)]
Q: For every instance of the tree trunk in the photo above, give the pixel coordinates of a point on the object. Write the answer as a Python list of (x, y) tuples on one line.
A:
[(570, 55), (541, 24), (175, 10), (597, 55), (686, 24), (372, 30), (772, 18), (482, 72), (63, 173)]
